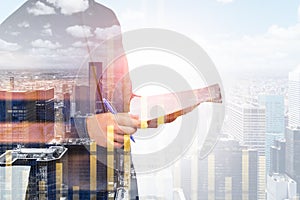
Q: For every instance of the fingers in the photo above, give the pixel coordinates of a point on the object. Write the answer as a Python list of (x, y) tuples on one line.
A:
[(125, 119), (134, 116), (125, 130), (125, 124), (120, 124), (118, 145), (119, 138)]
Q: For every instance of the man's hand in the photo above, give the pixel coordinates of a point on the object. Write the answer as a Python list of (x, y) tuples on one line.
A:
[(123, 123)]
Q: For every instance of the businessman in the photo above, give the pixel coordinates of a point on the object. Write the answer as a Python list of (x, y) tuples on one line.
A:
[(62, 34)]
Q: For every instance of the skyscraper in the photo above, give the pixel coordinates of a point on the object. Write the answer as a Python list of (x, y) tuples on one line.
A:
[(95, 91), (247, 124), (294, 98), (45, 112), (277, 157), (67, 112), (229, 172), (12, 83), (292, 134), (26, 117), (292, 164), (44, 178), (274, 105), (18, 116), (280, 186), (275, 122), (82, 102)]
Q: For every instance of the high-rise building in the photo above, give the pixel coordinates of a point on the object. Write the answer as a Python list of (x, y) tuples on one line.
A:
[(294, 98), (18, 116), (45, 112), (45, 178), (274, 106), (275, 122), (85, 170), (280, 186), (27, 117), (65, 88), (277, 157), (88, 97), (82, 102), (229, 172), (188, 176), (12, 83), (67, 112), (14, 182), (247, 123), (292, 155), (67, 107), (95, 87)]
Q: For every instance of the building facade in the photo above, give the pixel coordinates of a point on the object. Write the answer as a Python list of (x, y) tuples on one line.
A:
[(292, 162), (229, 172), (45, 177)]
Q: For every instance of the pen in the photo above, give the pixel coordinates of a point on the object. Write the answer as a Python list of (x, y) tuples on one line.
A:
[(113, 111)]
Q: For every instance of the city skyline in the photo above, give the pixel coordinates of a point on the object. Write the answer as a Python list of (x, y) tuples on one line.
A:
[(252, 93), (249, 44)]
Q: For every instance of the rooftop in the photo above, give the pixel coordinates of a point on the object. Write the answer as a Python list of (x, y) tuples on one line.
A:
[(281, 178), (71, 141), (38, 154)]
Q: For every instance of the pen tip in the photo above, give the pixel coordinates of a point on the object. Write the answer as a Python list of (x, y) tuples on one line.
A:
[(132, 139)]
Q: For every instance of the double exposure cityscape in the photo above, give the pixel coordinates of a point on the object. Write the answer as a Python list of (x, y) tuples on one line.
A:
[(68, 97)]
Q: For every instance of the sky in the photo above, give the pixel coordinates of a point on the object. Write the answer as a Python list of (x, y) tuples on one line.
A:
[(249, 37), (252, 37)]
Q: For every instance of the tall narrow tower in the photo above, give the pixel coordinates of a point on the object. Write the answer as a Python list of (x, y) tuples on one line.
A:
[(95, 73), (12, 83), (294, 98)]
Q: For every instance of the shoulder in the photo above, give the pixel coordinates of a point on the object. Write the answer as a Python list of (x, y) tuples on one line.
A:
[(101, 13)]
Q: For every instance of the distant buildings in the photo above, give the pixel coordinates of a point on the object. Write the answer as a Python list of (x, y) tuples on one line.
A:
[(18, 114), (277, 157), (292, 136), (294, 99), (45, 112), (67, 112), (247, 124), (95, 87), (27, 121), (229, 172), (292, 161), (274, 106), (82, 102), (12, 83), (275, 122), (70, 169)]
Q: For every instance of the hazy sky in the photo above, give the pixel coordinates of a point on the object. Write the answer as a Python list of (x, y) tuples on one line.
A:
[(250, 36)]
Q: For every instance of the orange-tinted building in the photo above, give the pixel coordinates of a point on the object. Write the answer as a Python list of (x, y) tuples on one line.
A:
[(26, 116)]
